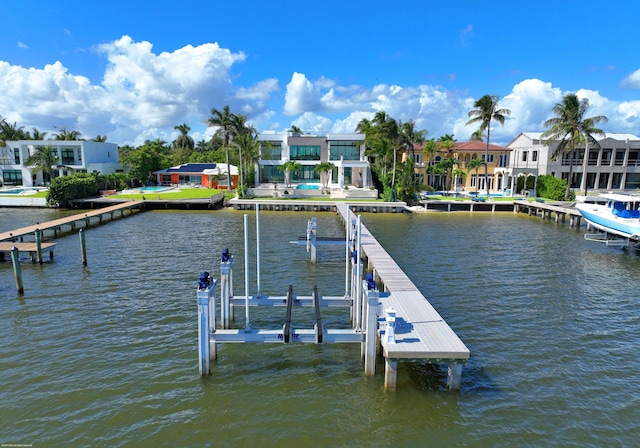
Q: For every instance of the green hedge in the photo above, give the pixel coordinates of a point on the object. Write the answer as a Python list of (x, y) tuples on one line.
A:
[(67, 188)]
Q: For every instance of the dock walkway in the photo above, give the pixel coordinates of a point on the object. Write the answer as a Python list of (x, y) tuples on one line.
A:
[(421, 333), (72, 221)]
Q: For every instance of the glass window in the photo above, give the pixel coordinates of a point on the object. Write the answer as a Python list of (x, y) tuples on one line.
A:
[(534, 156), (306, 174), (306, 152), (524, 155), (619, 157), (16, 156), (603, 181), (271, 173), (67, 156), (490, 159), (270, 150), (632, 181), (12, 177), (345, 150)]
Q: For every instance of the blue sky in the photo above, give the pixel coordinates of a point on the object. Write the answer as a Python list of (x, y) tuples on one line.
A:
[(133, 70)]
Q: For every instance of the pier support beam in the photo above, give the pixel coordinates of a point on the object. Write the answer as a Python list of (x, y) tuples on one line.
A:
[(454, 376), (17, 272), (390, 374), (312, 238)]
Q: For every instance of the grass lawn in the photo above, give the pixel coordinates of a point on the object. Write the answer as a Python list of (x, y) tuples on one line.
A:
[(183, 193)]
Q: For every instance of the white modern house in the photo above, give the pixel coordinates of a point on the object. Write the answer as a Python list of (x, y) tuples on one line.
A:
[(74, 156), (615, 165), (345, 151)]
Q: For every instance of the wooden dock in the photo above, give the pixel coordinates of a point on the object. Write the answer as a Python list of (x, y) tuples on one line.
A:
[(30, 248), (420, 332), (301, 205), (73, 221)]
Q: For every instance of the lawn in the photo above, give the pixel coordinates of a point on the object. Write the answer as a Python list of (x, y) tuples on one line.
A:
[(181, 194)]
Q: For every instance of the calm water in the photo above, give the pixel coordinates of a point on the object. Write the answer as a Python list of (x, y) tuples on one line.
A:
[(106, 355)]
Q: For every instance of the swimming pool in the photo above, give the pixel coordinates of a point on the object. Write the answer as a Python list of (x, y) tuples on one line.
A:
[(154, 189), (307, 187), (14, 191)]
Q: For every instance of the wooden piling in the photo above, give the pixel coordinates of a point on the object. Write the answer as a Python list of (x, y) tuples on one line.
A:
[(38, 236), (83, 247), (17, 272)]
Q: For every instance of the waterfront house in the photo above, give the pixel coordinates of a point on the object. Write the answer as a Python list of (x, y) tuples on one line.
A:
[(345, 151), (614, 165), (208, 175), (74, 156), (464, 152)]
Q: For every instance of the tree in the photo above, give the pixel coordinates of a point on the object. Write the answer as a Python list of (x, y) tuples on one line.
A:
[(11, 132), (295, 130), (475, 164), (288, 168), (429, 151), (485, 110), (100, 138), (570, 128), (43, 160), (224, 120), (36, 135), (64, 134), (144, 160), (323, 169)]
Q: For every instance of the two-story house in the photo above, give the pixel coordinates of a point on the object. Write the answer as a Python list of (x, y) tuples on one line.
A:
[(73, 156)]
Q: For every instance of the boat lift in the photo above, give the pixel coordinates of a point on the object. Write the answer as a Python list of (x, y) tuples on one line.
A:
[(361, 297)]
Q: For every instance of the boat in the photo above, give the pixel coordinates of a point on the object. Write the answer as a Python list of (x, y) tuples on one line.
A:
[(618, 216)]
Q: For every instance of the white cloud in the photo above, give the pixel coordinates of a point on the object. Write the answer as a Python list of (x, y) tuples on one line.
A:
[(23, 45), (632, 81)]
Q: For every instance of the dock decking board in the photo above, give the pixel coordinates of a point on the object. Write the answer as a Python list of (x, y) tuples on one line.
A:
[(421, 333)]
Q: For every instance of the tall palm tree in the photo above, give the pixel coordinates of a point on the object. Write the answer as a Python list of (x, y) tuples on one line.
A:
[(43, 160), (289, 168), (475, 164), (429, 151), (409, 136), (11, 132), (223, 119), (100, 138), (183, 141), (571, 128), (485, 110)]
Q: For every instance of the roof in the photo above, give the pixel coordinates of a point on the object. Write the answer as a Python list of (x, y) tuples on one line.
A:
[(611, 135), (199, 168), (477, 145)]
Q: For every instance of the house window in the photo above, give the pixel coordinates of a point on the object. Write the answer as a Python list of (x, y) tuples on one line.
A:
[(606, 156), (67, 156), (490, 159), (619, 157), (306, 152), (271, 151), (306, 174), (344, 150), (534, 156), (12, 177), (524, 155), (16, 156), (503, 161)]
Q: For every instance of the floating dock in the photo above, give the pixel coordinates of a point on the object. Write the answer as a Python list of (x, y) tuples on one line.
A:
[(388, 313)]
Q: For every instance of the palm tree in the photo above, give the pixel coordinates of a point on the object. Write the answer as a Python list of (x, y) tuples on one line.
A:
[(42, 160), (224, 120), (323, 169), (100, 138), (289, 167), (475, 164), (37, 135), (295, 130), (64, 134), (429, 151), (486, 109), (571, 128), (11, 132), (183, 141), (409, 136)]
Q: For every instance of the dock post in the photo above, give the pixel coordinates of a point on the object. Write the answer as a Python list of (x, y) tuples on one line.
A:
[(38, 236), (454, 376), (204, 328), (371, 334), (83, 247), (247, 323), (226, 290), (390, 374), (17, 272), (258, 293), (311, 238)]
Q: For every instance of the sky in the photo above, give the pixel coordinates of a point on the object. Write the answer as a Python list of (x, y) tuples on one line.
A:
[(133, 70)]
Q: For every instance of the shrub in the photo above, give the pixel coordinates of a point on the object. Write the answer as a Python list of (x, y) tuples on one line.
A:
[(65, 189), (551, 187)]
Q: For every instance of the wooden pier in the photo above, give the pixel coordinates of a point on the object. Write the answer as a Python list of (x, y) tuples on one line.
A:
[(420, 332), (300, 205), (74, 221), (546, 211)]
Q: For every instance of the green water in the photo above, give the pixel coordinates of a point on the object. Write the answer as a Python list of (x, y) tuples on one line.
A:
[(106, 355)]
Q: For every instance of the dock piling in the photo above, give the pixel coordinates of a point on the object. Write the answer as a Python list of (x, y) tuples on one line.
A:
[(38, 236), (17, 272), (83, 247), (205, 327)]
